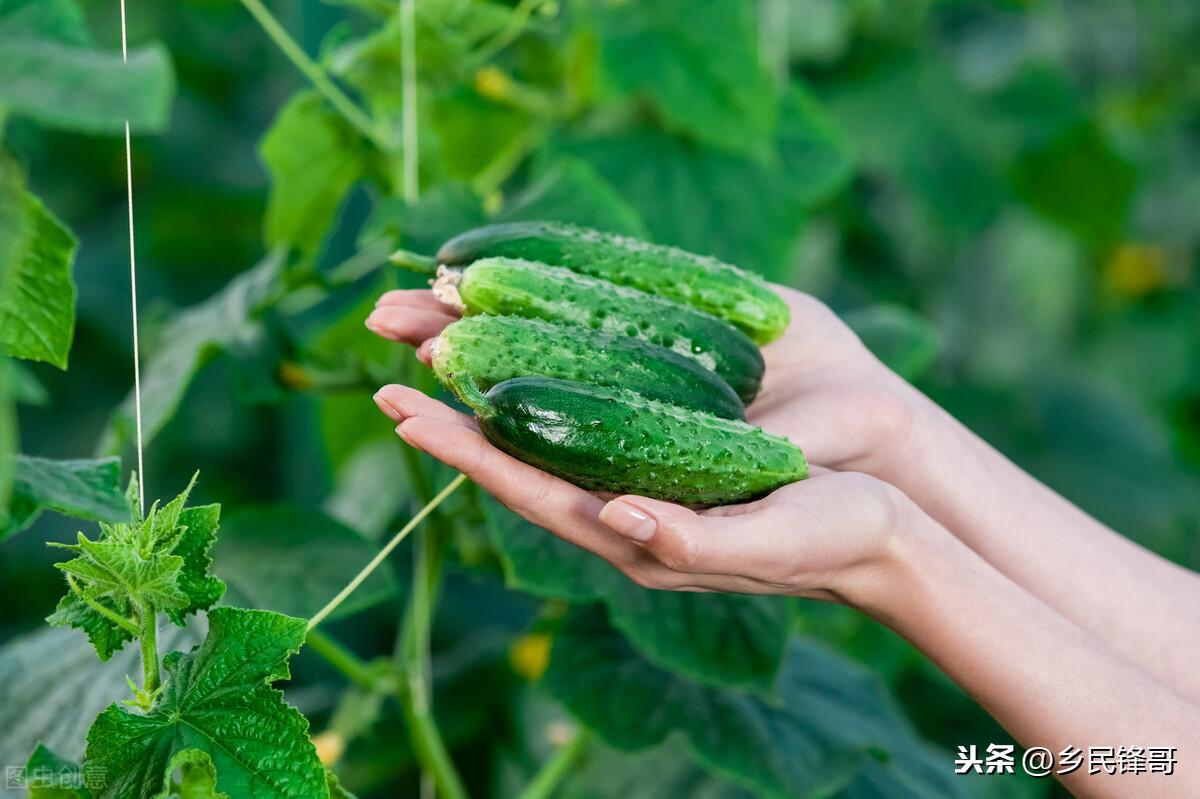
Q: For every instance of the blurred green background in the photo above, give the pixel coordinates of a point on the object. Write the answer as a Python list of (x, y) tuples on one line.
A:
[(1001, 196)]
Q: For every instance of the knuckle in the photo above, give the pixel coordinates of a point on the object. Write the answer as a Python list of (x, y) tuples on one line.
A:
[(679, 552)]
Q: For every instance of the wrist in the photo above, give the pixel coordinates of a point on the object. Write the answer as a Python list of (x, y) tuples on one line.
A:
[(909, 556)]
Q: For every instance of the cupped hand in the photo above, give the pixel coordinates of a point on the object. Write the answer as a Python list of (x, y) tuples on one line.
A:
[(828, 537), (822, 388)]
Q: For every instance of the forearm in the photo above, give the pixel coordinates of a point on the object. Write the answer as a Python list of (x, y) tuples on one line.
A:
[(1142, 606), (1048, 682)]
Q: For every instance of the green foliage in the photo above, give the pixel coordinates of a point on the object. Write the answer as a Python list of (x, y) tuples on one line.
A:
[(322, 556), (84, 489), (218, 712), (314, 157), (37, 309), (718, 638), (136, 570), (704, 77), (230, 320), (831, 719), (51, 777), (51, 72)]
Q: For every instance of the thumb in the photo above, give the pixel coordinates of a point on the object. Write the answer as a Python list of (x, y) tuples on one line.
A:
[(679, 538)]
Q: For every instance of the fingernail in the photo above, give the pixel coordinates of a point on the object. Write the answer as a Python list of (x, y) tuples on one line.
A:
[(628, 520), (388, 408)]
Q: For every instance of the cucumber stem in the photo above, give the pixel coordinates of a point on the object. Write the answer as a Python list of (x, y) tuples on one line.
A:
[(425, 264), (466, 390)]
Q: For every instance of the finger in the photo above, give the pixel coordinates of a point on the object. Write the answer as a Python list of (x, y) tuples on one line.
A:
[(403, 402), (410, 325), (565, 510), (425, 352), (802, 534), (422, 299)]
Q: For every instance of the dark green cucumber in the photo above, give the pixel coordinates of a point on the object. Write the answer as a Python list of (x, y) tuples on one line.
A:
[(722, 290), (491, 349), (523, 288), (613, 440)]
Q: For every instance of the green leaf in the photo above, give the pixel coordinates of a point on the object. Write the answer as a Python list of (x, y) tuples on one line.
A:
[(226, 321), (197, 776), (51, 71), (814, 153), (83, 489), (217, 700), (49, 776), (37, 307), (313, 156), (716, 638), (569, 190), (86, 90), (664, 771), (55, 20), (445, 210), (746, 211), (1079, 182), (53, 687), (831, 720), (697, 63), (906, 342), (159, 564), (323, 555)]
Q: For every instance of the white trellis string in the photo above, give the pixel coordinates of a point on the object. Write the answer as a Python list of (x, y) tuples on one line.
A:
[(137, 374)]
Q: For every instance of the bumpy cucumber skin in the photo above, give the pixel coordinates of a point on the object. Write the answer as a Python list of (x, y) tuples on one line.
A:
[(492, 349), (721, 289), (613, 440), (523, 288)]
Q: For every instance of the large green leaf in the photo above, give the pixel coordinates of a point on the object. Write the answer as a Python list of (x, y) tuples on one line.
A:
[(53, 687), (322, 556), (698, 63), (216, 700), (314, 157), (718, 638), (228, 320), (569, 190), (84, 489), (51, 71), (830, 721), (1080, 182), (745, 211), (37, 307)]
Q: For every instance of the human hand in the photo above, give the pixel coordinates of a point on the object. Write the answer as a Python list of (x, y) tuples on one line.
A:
[(822, 388), (831, 537)]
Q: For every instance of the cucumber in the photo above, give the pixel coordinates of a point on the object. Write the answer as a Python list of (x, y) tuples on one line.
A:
[(491, 349), (533, 290), (737, 296), (613, 440)]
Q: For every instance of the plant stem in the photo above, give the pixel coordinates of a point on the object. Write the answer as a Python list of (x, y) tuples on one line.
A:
[(556, 767), (508, 34), (117, 619), (425, 264), (317, 76), (342, 659), (381, 556), (413, 650), (492, 176), (149, 642)]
